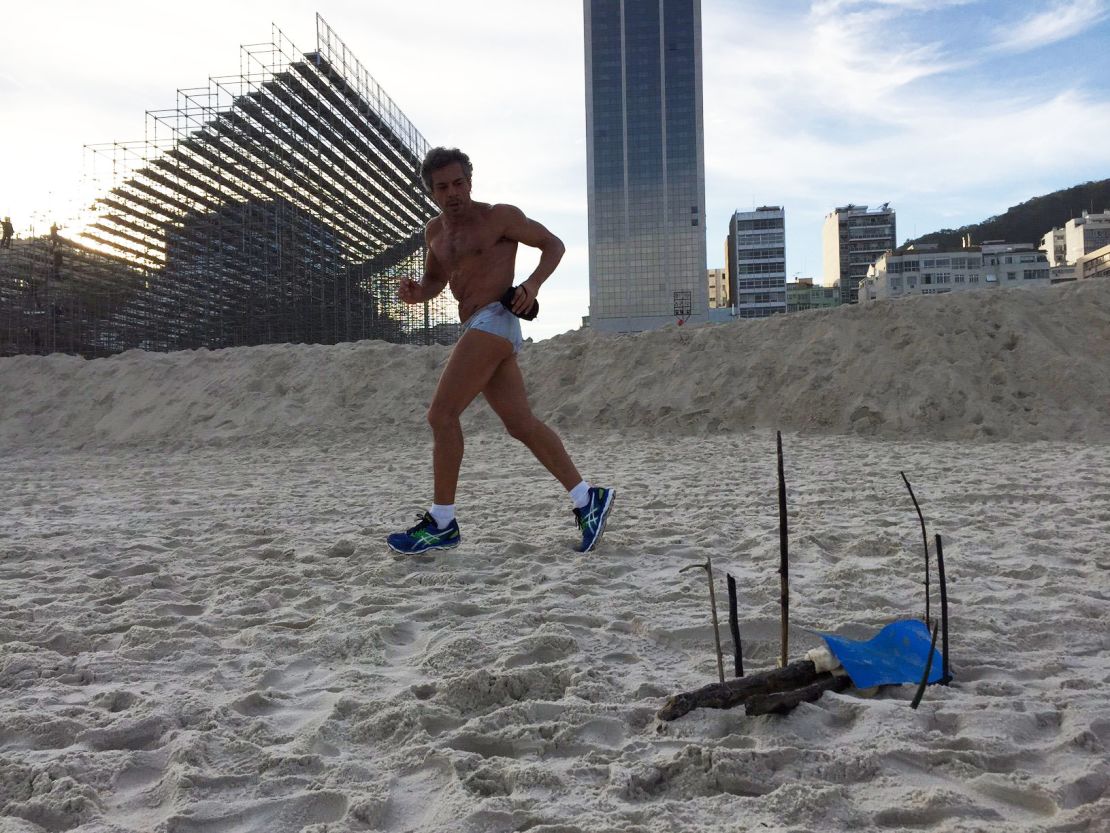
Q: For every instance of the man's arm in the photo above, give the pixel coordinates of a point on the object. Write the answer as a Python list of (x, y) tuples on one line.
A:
[(530, 233), (417, 292)]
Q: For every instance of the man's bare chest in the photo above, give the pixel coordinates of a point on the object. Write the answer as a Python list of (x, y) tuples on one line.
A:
[(457, 248)]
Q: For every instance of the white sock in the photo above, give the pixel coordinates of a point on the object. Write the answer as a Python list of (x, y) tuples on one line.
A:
[(442, 515), (580, 494)]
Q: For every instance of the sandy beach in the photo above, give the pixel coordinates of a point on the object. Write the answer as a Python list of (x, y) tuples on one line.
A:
[(201, 628)]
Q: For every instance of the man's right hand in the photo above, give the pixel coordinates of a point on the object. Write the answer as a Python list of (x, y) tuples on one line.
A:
[(410, 291)]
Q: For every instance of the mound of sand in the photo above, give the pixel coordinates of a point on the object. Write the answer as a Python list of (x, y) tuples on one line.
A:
[(1008, 364)]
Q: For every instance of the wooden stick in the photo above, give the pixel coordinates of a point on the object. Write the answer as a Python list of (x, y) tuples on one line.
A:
[(708, 567), (946, 676), (728, 694), (734, 628), (716, 627), (783, 702), (928, 667), (784, 560), (925, 542)]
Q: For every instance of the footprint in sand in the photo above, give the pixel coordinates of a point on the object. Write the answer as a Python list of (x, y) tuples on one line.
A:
[(296, 674)]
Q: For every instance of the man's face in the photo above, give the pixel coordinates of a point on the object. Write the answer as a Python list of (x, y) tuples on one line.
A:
[(451, 189)]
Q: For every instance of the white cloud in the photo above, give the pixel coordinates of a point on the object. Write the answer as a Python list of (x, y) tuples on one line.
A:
[(821, 7), (847, 109), (1064, 20)]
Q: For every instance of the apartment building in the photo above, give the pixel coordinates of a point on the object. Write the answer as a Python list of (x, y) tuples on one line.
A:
[(928, 270), (1082, 235), (757, 262), (1054, 245), (718, 288), (1096, 264), (804, 294), (854, 237)]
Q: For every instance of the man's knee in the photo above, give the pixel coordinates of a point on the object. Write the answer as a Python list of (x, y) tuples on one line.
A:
[(523, 428), (441, 418)]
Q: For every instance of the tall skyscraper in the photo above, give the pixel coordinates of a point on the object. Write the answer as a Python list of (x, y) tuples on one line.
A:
[(757, 261), (645, 162), (854, 238)]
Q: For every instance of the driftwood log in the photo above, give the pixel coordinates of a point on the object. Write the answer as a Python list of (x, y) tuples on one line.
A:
[(795, 675), (786, 701)]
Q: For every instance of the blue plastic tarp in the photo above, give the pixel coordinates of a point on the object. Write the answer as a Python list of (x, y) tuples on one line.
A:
[(896, 655)]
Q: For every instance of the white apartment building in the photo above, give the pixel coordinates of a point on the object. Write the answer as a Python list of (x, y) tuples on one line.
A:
[(927, 270), (1083, 235), (757, 262), (1054, 245)]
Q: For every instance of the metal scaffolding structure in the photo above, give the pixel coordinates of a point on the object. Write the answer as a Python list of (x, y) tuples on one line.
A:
[(282, 204)]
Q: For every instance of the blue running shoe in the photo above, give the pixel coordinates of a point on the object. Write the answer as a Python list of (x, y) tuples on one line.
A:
[(591, 517), (425, 536)]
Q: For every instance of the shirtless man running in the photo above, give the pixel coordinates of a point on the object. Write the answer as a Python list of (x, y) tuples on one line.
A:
[(472, 248)]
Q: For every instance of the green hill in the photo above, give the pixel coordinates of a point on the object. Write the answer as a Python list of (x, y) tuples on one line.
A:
[(1030, 221)]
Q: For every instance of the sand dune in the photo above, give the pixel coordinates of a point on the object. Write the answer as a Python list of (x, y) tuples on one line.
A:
[(1010, 364)]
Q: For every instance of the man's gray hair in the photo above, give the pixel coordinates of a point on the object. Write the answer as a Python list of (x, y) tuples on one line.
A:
[(440, 158)]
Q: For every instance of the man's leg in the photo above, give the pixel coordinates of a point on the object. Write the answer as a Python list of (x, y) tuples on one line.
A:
[(473, 362), (506, 395)]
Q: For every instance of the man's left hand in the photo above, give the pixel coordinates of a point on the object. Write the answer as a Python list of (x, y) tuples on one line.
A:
[(525, 295)]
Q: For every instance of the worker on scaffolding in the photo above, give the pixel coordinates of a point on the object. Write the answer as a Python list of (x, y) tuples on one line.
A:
[(9, 230)]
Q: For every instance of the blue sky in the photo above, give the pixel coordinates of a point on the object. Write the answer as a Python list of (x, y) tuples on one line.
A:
[(951, 110)]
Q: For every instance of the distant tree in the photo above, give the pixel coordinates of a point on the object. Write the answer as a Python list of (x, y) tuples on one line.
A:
[(1032, 219)]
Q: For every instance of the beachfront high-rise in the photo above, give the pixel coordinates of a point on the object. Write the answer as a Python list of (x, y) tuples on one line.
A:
[(854, 238), (645, 163), (757, 262)]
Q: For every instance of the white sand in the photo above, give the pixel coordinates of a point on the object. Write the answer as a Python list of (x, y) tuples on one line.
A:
[(201, 628)]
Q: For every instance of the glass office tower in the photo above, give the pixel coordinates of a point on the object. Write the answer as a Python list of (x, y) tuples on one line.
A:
[(646, 164)]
